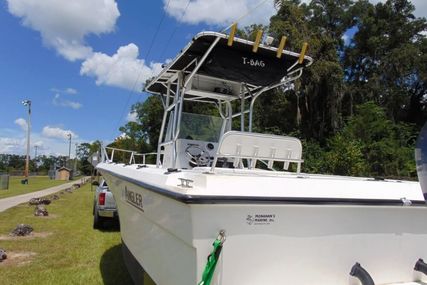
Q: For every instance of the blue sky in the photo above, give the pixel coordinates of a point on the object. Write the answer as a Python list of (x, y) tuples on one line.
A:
[(80, 61)]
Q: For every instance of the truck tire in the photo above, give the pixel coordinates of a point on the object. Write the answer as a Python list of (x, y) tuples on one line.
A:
[(97, 221)]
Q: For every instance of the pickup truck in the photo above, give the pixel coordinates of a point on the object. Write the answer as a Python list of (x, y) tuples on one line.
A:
[(104, 206)]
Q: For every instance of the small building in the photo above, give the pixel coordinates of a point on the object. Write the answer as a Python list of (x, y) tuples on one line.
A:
[(63, 173)]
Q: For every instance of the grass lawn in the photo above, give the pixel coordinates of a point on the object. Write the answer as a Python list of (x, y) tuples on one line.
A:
[(35, 183), (64, 248)]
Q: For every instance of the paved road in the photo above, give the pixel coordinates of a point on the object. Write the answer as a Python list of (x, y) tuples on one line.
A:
[(10, 202)]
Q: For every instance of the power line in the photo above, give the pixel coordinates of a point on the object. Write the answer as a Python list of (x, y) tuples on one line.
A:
[(245, 15), (170, 38), (126, 106), (174, 31), (158, 28)]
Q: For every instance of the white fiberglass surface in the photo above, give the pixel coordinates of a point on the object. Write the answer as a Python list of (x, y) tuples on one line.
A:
[(421, 158), (258, 183), (306, 245)]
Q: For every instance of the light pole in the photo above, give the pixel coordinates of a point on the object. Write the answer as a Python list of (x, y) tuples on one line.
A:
[(69, 148), (27, 160), (75, 160)]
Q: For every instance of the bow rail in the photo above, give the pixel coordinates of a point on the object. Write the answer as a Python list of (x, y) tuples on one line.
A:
[(109, 153)]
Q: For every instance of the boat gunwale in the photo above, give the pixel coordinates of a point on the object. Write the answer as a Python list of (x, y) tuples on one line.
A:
[(222, 199)]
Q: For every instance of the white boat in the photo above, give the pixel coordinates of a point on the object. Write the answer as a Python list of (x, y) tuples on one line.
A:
[(272, 223)]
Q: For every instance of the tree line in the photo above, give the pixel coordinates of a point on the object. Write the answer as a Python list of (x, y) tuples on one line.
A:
[(358, 109), (15, 164)]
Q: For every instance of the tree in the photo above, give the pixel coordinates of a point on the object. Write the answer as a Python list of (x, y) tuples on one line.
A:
[(250, 32), (143, 135), (321, 23), (345, 157), (84, 152), (387, 148), (386, 61)]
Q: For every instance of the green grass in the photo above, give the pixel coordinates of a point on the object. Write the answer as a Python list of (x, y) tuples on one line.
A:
[(35, 183), (73, 253)]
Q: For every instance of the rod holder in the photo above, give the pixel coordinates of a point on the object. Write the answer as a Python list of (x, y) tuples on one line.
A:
[(281, 46), (302, 54), (257, 41), (232, 34)]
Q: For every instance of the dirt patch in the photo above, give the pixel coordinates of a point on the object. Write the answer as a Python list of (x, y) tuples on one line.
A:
[(18, 258), (33, 235)]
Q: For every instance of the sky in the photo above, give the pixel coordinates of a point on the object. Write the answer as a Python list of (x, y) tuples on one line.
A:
[(82, 63)]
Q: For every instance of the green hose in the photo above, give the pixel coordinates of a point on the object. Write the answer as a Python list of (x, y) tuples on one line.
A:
[(212, 260)]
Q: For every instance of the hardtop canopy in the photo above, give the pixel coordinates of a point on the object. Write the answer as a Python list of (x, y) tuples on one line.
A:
[(235, 64)]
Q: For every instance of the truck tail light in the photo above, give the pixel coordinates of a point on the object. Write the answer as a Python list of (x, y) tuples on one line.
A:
[(101, 199)]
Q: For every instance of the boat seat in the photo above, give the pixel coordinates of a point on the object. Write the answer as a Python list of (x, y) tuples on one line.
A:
[(254, 146)]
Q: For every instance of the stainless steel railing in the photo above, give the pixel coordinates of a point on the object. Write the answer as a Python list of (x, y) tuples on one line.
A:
[(133, 154)]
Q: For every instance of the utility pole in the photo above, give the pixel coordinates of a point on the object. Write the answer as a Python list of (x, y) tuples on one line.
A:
[(35, 157), (75, 160), (27, 160), (69, 148)]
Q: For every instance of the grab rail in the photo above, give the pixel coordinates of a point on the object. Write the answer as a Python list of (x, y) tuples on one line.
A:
[(133, 154)]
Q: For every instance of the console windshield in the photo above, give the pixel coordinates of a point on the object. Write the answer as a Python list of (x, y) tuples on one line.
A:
[(200, 127)]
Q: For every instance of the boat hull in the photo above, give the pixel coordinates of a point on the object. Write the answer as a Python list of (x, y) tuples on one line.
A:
[(269, 243)]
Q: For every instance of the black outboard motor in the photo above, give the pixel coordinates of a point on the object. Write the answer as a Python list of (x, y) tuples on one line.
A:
[(421, 159)]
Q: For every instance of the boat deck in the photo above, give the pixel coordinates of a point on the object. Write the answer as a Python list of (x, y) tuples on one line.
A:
[(226, 184)]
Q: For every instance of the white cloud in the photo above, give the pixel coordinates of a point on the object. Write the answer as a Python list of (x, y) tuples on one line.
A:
[(10, 145), (132, 117), (122, 136), (64, 24), (224, 12), (123, 69), (220, 12), (46, 146), (68, 90), (39, 144), (22, 123), (13, 141), (58, 133), (58, 101)]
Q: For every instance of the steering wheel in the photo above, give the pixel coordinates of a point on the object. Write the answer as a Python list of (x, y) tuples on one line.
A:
[(197, 156)]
